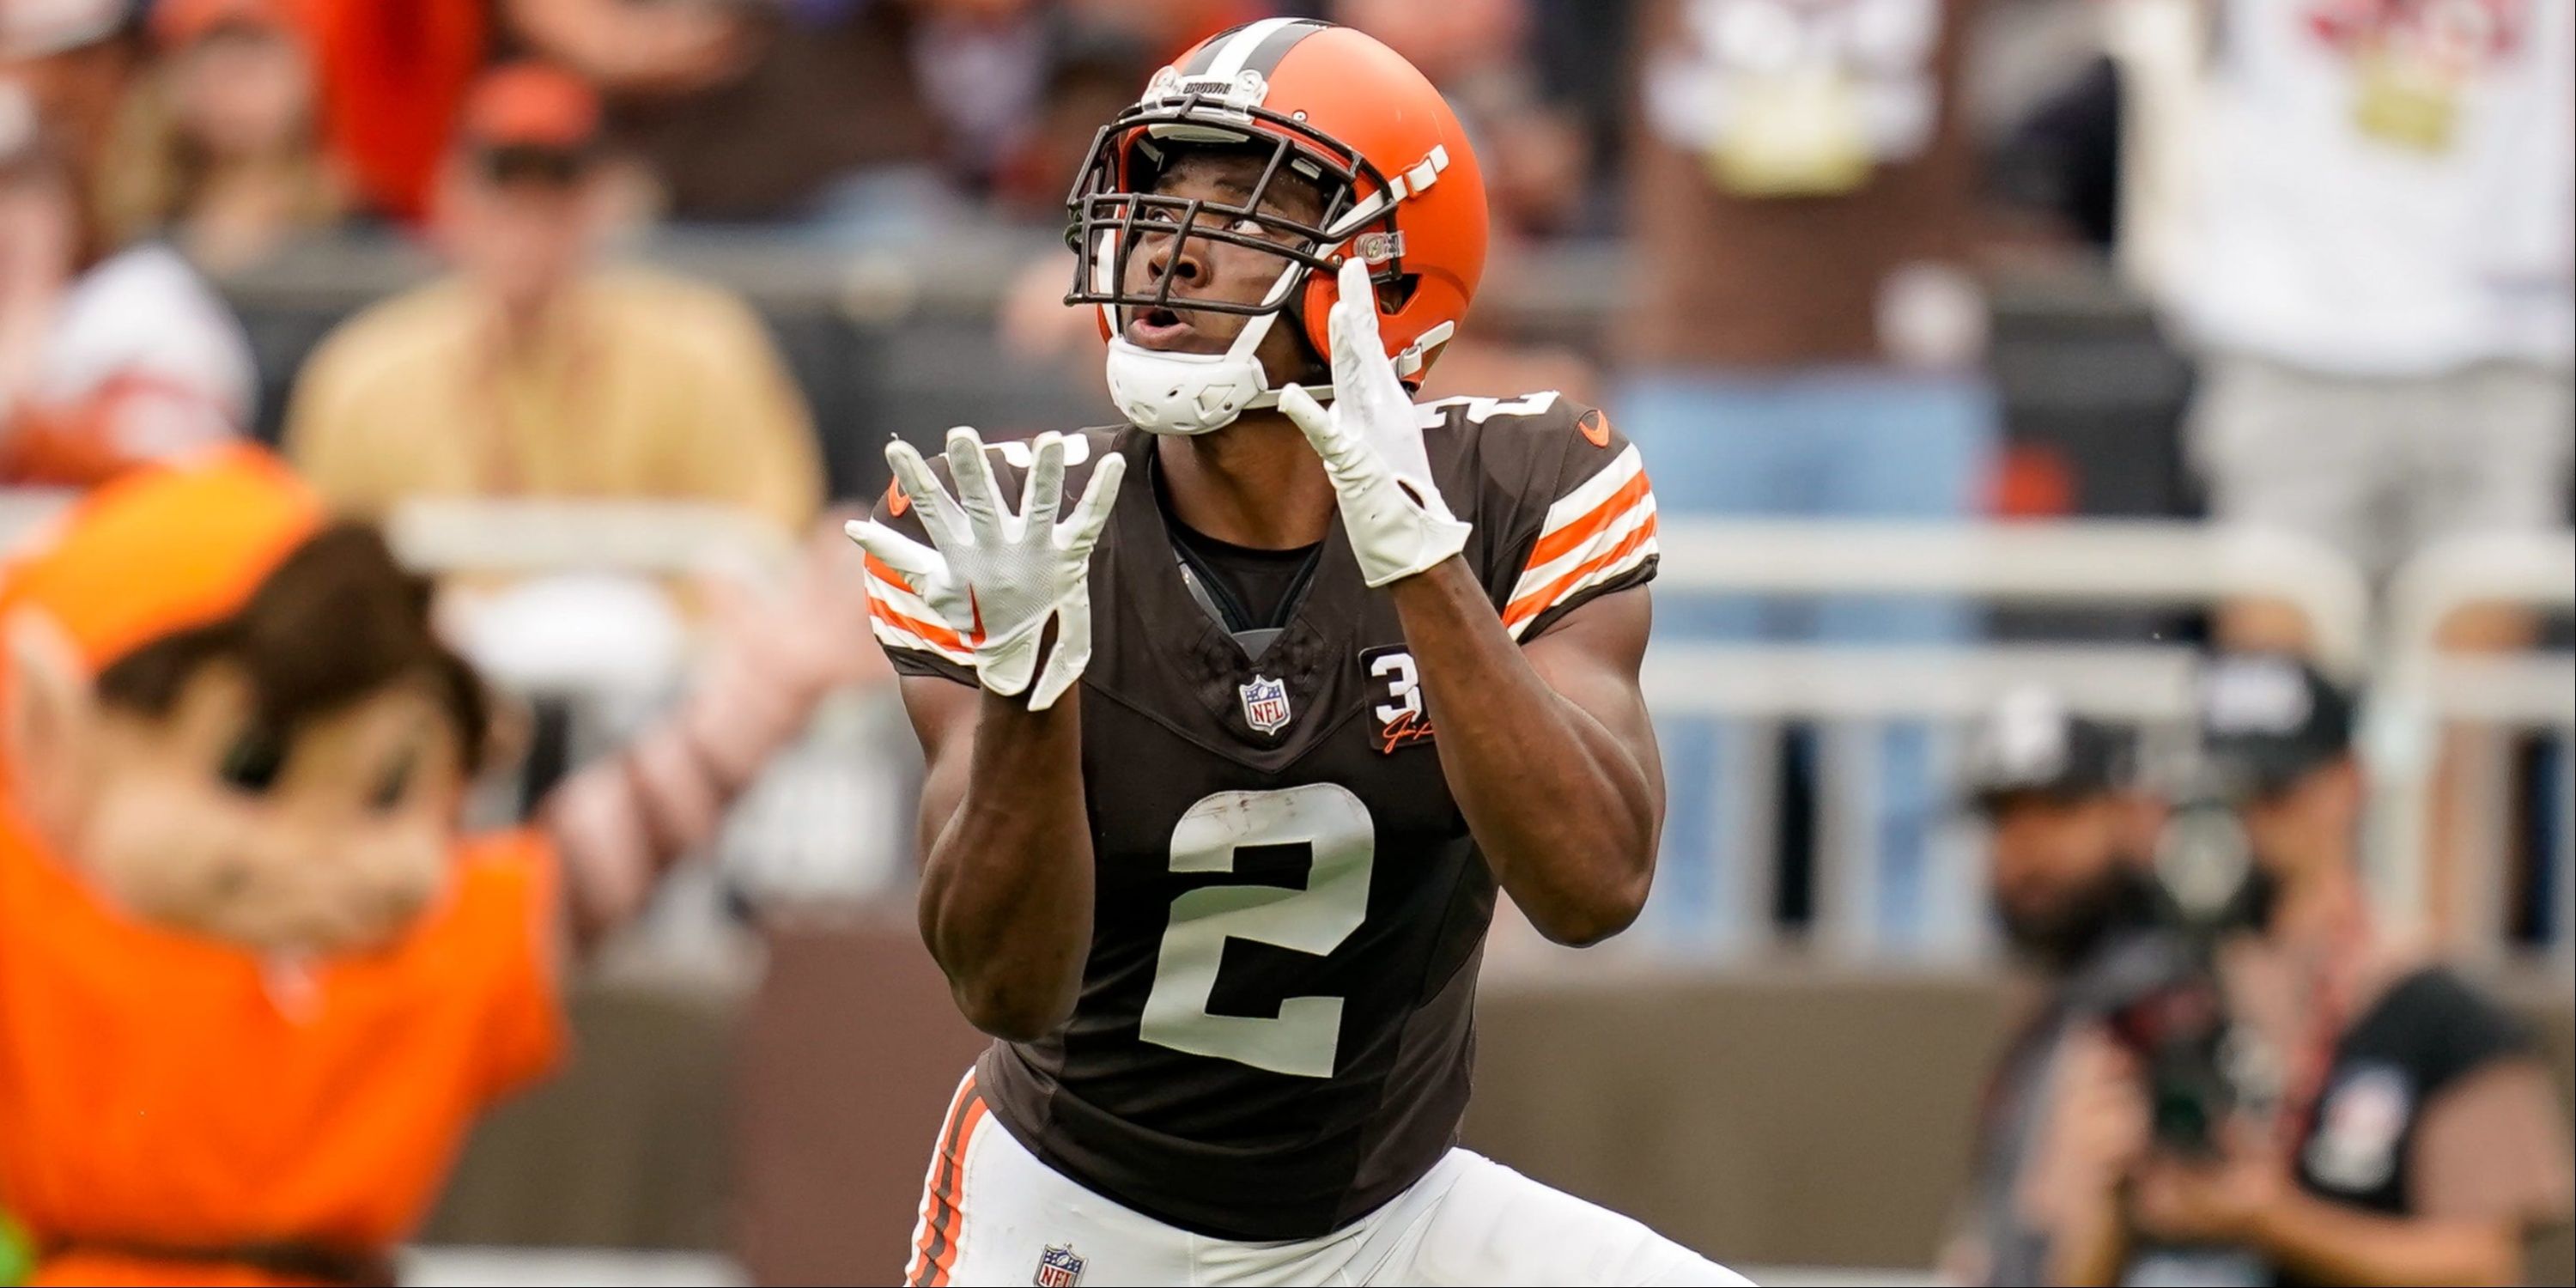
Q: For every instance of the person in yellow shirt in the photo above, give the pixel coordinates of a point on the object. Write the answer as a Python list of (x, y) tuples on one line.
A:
[(535, 370)]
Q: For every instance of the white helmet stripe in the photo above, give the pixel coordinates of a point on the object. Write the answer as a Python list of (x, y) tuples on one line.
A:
[(1232, 55)]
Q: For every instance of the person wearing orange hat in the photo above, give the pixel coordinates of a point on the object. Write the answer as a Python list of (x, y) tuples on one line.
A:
[(109, 356), (255, 983), (534, 370)]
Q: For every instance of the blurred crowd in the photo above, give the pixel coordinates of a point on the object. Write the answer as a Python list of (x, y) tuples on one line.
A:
[(2351, 215)]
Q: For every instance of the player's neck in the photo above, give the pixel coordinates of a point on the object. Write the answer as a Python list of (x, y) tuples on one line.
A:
[(1255, 483)]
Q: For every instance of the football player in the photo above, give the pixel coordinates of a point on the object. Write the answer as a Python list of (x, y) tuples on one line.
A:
[(1228, 757)]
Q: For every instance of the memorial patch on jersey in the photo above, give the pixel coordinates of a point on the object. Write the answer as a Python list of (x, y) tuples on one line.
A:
[(1396, 715), (1265, 704)]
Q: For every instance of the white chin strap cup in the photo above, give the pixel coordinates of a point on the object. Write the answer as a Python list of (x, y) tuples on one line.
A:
[(1191, 393)]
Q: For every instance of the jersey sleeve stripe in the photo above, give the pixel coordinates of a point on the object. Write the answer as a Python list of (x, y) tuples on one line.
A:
[(904, 620), (1597, 541), (1557, 542), (910, 632), (1638, 547)]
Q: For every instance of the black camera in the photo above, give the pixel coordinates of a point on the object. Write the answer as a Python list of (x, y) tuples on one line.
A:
[(2159, 991)]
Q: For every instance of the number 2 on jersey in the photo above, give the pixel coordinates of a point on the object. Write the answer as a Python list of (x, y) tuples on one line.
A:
[(1330, 822)]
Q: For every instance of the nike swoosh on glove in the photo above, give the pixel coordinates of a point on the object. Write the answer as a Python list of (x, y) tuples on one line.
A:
[(1371, 442), (997, 577)]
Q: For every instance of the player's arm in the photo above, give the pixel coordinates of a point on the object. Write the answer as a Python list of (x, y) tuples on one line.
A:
[(1006, 876), (1547, 747), (1005, 902)]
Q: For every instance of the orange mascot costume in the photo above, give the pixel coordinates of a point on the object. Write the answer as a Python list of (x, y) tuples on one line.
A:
[(254, 986)]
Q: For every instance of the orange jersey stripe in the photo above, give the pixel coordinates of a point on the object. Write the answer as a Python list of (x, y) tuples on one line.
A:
[(931, 631), (887, 571), (1538, 601), (1564, 540)]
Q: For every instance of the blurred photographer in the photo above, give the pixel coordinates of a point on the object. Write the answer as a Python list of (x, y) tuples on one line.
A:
[(2070, 837), (2380, 1121)]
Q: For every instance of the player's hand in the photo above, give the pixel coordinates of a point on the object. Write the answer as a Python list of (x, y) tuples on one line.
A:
[(997, 577), (1371, 442)]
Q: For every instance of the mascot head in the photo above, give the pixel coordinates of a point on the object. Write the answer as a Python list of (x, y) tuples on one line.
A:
[(230, 714)]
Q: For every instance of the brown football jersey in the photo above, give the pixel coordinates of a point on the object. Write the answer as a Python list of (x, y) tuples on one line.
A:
[(1276, 1019)]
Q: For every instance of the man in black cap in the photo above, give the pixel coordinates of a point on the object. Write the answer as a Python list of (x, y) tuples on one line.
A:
[(2394, 1125), (2070, 834), (2069, 831)]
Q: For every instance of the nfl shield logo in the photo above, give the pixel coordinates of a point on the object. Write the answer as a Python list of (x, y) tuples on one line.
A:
[(1265, 704), (1058, 1267)]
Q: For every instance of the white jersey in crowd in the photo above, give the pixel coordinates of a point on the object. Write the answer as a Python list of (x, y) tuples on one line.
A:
[(2385, 189), (143, 327)]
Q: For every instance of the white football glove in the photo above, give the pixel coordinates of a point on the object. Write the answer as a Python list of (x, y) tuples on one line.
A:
[(1371, 442), (996, 577)]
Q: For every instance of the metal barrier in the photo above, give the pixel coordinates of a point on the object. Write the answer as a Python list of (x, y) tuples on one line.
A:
[(2420, 691), (2101, 563)]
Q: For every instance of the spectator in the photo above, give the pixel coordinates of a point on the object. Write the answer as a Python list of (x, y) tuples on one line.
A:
[(2379, 261), (107, 357), (1807, 342), (2071, 839), (829, 94), (533, 371), (221, 146), (2394, 1126), (2381, 267)]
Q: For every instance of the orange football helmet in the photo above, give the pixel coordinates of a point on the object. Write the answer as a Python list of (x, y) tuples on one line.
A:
[(1344, 113)]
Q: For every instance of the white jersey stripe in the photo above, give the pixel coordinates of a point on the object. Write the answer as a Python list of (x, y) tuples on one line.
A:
[(1588, 495), (1534, 578), (1624, 565)]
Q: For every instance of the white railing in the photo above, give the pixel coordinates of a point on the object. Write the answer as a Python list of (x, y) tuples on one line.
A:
[(531, 536), (2065, 563), (2420, 690)]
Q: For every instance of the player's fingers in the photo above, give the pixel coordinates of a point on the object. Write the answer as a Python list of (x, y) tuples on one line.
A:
[(895, 550), (1310, 417), (1352, 322), (1042, 492), (1077, 534), (1070, 653), (976, 493), (1329, 439), (938, 511)]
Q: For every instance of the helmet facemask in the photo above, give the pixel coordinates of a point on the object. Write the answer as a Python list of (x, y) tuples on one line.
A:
[(1114, 215)]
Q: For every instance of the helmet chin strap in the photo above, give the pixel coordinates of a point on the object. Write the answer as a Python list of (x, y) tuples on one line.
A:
[(1193, 393), (1197, 393)]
